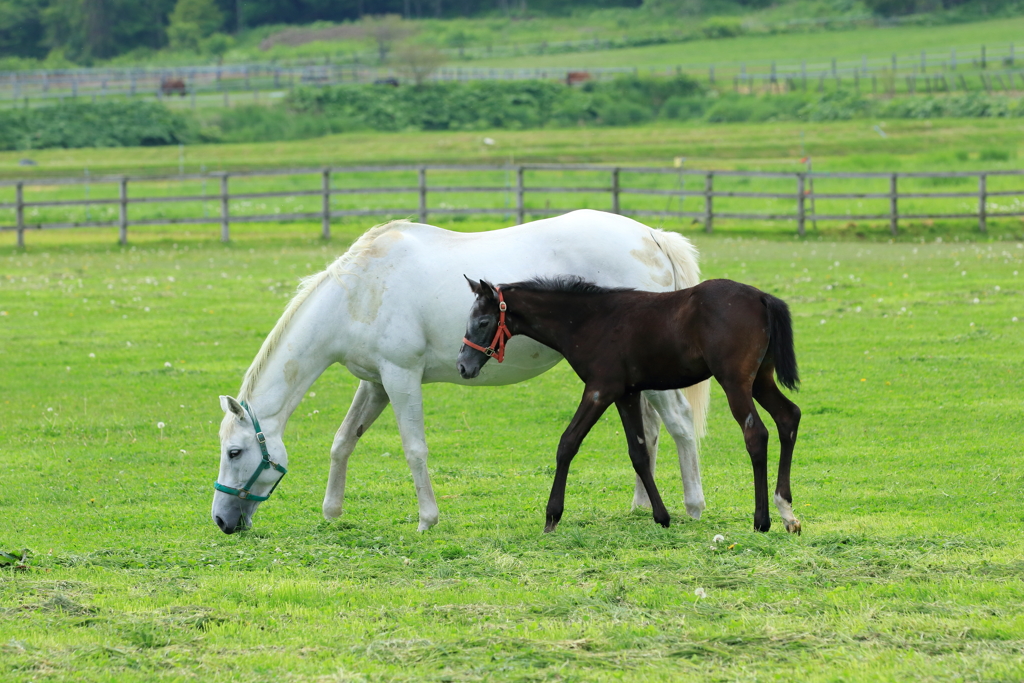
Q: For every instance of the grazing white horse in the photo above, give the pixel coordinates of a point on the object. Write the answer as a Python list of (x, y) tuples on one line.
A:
[(392, 310)]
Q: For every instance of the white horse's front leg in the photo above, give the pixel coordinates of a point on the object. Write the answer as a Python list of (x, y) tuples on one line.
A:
[(678, 417), (406, 393), (367, 405), (652, 430)]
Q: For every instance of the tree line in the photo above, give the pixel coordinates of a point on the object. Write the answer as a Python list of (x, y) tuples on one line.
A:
[(87, 30)]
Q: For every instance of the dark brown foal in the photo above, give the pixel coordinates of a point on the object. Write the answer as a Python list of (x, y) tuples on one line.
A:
[(621, 342)]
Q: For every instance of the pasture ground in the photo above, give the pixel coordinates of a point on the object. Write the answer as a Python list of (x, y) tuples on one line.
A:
[(907, 145), (906, 477)]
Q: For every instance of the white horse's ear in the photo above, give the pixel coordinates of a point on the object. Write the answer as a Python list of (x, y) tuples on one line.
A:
[(230, 405)]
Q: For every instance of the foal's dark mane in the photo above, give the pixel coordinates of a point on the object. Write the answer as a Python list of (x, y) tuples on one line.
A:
[(569, 284)]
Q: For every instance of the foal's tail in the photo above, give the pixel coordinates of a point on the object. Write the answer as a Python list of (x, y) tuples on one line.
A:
[(780, 331), (685, 274)]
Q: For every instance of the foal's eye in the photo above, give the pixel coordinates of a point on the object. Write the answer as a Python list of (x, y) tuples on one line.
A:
[(234, 452), (481, 324)]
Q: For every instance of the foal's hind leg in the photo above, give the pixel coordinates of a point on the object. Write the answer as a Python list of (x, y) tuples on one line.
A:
[(652, 431), (787, 419), (633, 427), (678, 417), (367, 405), (755, 434)]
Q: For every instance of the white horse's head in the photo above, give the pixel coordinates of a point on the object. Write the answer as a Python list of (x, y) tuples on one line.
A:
[(251, 465)]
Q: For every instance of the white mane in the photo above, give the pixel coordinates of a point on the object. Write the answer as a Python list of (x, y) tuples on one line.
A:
[(307, 286)]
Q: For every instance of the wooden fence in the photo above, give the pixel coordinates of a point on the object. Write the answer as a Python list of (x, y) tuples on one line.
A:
[(715, 195)]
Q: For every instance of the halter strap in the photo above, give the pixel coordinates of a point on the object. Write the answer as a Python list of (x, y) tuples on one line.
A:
[(502, 335), (265, 464)]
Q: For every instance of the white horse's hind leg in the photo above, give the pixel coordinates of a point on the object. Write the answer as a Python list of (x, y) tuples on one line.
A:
[(652, 430), (367, 405), (678, 417), (406, 394)]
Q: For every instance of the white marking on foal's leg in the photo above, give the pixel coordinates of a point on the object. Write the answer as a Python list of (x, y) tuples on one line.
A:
[(749, 421), (652, 427), (788, 518)]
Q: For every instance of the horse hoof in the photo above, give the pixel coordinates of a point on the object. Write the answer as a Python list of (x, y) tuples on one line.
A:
[(694, 510), (663, 522), (793, 527)]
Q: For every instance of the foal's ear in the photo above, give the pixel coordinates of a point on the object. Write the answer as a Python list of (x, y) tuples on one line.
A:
[(481, 288), (230, 405)]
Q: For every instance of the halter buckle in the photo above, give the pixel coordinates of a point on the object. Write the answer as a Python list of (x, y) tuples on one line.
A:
[(260, 437)]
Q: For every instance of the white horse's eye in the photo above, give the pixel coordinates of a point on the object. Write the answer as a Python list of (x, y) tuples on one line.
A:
[(234, 452)]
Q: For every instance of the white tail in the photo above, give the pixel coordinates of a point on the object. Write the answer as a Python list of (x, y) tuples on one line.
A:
[(686, 271)]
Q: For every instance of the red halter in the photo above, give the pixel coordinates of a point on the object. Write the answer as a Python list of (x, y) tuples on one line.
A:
[(497, 347)]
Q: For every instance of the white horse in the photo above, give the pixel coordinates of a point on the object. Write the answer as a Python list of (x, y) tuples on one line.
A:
[(392, 310)]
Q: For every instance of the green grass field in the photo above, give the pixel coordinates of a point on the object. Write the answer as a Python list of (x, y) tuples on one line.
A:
[(820, 47), (906, 477)]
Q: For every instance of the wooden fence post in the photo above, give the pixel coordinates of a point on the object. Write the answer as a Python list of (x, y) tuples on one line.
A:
[(520, 190), (615, 190), (800, 214), (982, 197), (709, 212), (325, 221), (894, 212), (122, 236), (225, 235), (19, 212), (423, 194)]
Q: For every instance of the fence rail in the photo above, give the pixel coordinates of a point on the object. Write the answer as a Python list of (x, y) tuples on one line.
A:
[(339, 192), (990, 68)]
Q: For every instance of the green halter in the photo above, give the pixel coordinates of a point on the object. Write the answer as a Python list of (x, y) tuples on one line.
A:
[(265, 464)]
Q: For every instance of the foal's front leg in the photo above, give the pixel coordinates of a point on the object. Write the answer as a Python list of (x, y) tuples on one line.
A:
[(633, 427), (590, 410)]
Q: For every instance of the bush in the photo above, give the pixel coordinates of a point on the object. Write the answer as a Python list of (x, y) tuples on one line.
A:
[(722, 27), (683, 108), (109, 124)]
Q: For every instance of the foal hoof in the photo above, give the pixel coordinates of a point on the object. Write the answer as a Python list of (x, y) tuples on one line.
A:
[(550, 526), (793, 527), (664, 521)]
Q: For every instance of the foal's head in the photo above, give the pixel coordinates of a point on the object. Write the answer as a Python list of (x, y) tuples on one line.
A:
[(481, 329)]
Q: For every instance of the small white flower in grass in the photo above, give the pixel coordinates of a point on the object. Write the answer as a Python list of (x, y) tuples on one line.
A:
[(183, 451), (977, 300), (963, 272), (160, 425), (128, 343), (167, 364), (822, 321), (1014, 318), (719, 538), (312, 394), (857, 309), (700, 593), (36, 313), (49, 410), (92, 355), (972, 324), (68, 368), (316, 412), (146, 309), (997, 288)]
